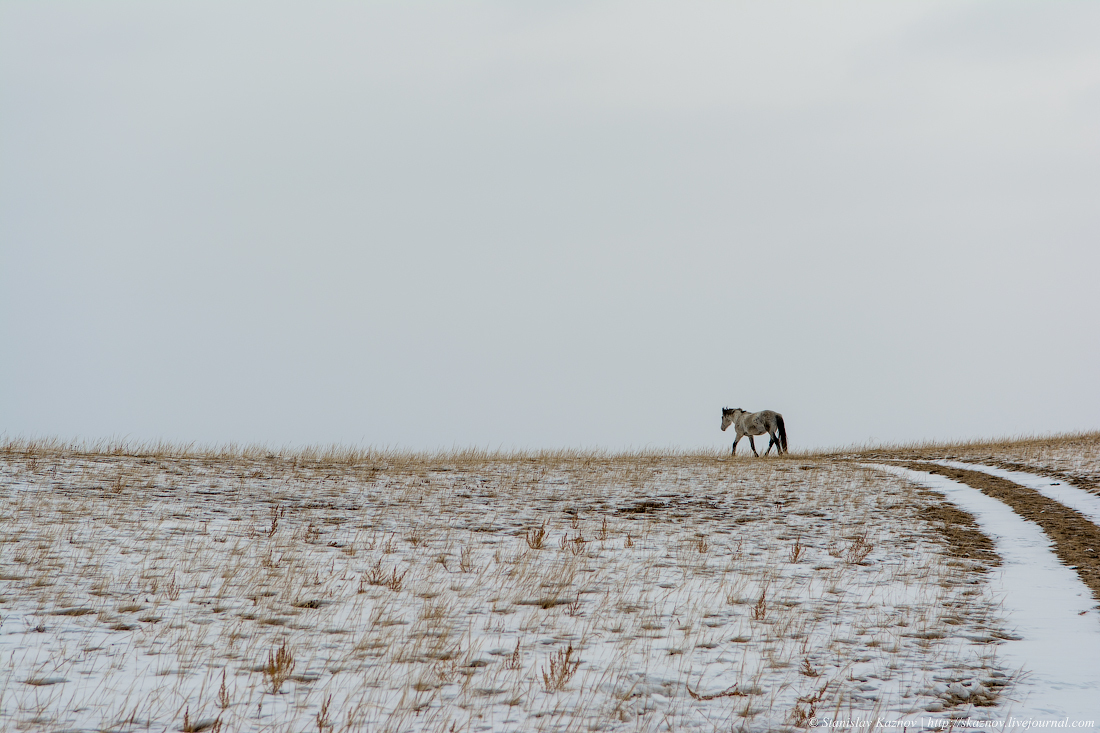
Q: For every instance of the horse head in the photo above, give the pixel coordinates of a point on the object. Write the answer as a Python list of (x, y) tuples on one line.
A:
[(728, 416)]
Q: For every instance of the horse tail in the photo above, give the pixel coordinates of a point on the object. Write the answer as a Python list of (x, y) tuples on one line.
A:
[(782, 431)]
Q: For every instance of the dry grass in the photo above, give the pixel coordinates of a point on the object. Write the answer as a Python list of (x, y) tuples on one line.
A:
[(362, 590), (1016, 445), (280, 664), (562, 667), (332, 456)]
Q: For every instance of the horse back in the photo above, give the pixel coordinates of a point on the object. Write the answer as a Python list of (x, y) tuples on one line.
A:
[(754, 423)]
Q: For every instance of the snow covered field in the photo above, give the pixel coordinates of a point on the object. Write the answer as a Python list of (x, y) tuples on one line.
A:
[(464, 592)]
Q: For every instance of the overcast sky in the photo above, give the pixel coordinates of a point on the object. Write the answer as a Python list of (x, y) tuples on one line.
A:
[(548, 224)]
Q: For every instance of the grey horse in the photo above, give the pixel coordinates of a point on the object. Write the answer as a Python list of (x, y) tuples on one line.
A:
[(756, 423)]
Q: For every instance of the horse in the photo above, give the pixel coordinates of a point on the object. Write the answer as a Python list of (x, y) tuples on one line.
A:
[(756, 423)]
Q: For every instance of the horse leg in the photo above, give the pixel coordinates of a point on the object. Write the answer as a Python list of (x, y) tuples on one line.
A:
[(774, 441), (753, 444), (733, 450)]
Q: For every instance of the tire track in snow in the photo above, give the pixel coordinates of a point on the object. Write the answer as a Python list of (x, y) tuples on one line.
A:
[(1052, 611), (1076, 538), (1059, 489)]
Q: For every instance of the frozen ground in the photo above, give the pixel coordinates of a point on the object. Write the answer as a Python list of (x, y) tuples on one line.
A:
[(403, 593)]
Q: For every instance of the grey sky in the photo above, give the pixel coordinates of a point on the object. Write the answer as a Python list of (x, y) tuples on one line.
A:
[(548, 224)]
